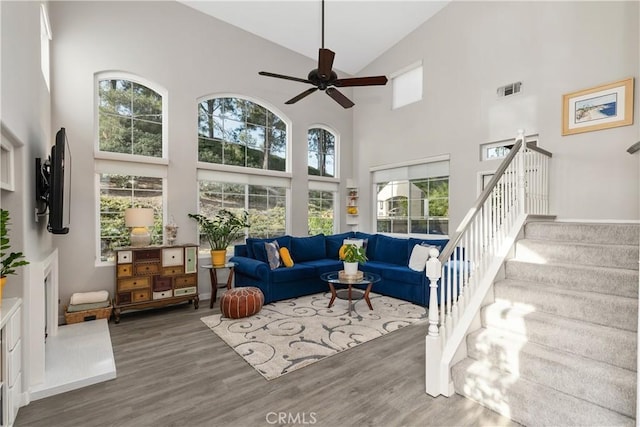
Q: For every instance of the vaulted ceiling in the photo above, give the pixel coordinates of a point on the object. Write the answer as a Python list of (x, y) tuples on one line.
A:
[(358, 31)]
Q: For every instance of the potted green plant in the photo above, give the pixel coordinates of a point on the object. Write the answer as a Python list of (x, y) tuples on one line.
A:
[(221, 230), (353, 255), (10, 260)]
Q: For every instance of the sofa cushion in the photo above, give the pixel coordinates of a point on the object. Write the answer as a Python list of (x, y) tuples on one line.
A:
[(325, 265), (392, 250), (334, 242), (371, 242), (404, 275), (299, 272), (308, 248), (257, 251)]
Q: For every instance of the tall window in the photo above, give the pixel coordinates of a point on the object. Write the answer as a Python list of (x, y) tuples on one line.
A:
[(118, 192), (130, 118), (130, 125), (266, 205), (45, 37), (238, 132), (321, 212), (322, 152), (415, 206)]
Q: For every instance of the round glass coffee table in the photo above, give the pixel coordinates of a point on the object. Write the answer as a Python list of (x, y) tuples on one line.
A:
[(350, 293)]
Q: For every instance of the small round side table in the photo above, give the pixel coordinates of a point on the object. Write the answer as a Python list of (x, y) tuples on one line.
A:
[(213, 274)]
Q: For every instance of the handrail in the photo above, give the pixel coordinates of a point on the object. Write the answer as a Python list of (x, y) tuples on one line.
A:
[(488, 190), (634, 148), (461, 277)]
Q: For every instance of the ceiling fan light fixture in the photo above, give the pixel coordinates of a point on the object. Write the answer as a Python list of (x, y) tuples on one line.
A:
[(324, 78)]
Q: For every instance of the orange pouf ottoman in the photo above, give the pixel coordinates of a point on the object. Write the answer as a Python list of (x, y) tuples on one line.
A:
[(241, 302)]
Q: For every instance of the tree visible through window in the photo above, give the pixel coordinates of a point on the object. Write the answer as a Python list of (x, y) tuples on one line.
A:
[(322, 152), (234, 131), (130, 118), (118, 192), (266, 206), (321, 208)]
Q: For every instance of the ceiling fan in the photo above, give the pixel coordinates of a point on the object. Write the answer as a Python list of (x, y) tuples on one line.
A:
[(324, 78)]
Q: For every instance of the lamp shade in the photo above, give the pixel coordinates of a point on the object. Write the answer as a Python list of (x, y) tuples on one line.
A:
[(138, 217)]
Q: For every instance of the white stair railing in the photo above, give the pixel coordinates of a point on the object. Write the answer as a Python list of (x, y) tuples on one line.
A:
[(461, 275)]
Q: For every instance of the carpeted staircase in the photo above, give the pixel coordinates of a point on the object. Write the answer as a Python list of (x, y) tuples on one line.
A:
[(558, 345)]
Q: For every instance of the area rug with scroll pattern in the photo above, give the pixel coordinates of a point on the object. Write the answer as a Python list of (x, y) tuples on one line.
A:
[(288, 335)]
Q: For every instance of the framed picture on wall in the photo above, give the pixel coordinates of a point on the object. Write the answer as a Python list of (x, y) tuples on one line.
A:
[(602, 107)]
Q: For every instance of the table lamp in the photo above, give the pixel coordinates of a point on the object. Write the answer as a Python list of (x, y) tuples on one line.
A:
[(139, 219)]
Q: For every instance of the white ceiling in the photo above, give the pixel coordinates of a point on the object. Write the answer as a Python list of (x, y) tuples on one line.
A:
[(358, 30)]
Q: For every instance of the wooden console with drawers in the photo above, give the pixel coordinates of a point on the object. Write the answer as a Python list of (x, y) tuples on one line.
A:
[(155, 276)]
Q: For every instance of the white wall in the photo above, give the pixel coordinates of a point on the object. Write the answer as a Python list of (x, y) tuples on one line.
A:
[(25, 114), (191, 55), (469, 49)]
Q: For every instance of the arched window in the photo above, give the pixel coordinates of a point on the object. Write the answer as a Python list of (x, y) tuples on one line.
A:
[(322, 152), (239, 132)]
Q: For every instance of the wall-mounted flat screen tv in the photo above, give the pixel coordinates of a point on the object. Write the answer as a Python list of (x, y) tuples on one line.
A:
[(53, 185)]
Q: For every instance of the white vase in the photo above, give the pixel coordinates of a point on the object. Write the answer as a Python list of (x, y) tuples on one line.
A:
[(350, 268)]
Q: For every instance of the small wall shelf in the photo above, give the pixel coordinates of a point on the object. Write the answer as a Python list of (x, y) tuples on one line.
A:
[(352, 206)]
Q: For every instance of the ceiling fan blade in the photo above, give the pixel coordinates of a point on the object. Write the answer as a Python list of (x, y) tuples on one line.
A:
[(339, 97), (325, 62), (302, 95), (361, 81), (281, 76)]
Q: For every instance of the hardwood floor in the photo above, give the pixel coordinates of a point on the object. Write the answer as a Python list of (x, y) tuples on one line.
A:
[(173, 371)]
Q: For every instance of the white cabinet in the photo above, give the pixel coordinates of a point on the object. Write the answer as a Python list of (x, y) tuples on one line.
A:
[(11, 349)]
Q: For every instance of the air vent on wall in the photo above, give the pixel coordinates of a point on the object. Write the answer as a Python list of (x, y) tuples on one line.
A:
[(510, 89)]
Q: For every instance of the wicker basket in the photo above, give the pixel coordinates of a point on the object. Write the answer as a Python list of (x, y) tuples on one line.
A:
[(86, 315), (350, 277)]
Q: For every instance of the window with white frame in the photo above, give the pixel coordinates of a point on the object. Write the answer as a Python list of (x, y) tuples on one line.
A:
[(239, 132), (45, 38), (130, 127), (500, 149), (264, 198), (321, 152), (118, 192), (130, 118), (406, 85), (413, 199)]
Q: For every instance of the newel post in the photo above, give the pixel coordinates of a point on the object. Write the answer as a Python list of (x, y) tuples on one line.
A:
[(433, 344)]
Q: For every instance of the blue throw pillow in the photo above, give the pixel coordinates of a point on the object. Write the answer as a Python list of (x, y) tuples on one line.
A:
[(308, 248), (334, 242), (392, 250)]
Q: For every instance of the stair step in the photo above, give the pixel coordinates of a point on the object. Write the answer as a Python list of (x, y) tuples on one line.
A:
[(587, 379), (610, 281), (613, 234), (526, 402), (608, 310), (573, 336), (544, 252)]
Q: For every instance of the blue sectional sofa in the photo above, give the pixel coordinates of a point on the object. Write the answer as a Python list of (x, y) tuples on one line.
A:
[(312, 256)]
